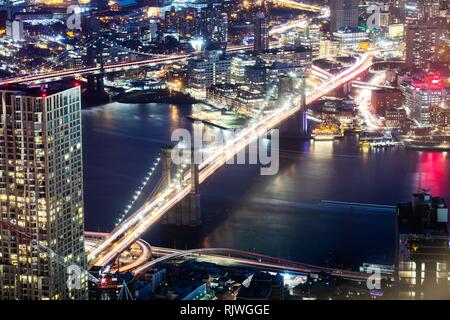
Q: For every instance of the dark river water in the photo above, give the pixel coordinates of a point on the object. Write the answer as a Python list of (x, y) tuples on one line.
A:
[(281, 215)]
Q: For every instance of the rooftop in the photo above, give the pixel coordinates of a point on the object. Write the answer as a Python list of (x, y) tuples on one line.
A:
[(40, 90)]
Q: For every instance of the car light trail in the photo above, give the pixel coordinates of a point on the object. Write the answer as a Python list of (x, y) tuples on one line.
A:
[(49, 76), (127, 232)]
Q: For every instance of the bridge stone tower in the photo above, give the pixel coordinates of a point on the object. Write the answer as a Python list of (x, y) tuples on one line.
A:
[(343, 90), (296, 127), (95, 82), (166, 166), (188, 211)]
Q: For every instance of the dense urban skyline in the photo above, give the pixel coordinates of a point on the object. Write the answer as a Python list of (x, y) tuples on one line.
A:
[(131, 131)]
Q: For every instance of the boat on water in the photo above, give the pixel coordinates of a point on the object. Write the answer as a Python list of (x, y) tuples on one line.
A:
[(376, 139), (427, 145), (327, 132)]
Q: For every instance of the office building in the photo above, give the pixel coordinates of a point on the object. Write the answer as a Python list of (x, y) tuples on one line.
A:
[(41, 191), (263, 286), (396, 31), (261, 33), (422, 94), (238, 68), (343, 14), (150, 34), (421, 10), (241, 98), (214, 25), (296, 56), (422, 253), (384, 99), (440, 116), (204, 72), (155, 278), (329, 48), (309, 36), (256, 75), (14, 30), (395, 117), (412, 11), (284, 79), (350, 38), (421, 43), (396, 11), (185, 22)]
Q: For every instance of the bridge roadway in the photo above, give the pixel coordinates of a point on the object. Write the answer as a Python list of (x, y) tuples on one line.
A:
[(114, 67), (93, 238), (129, 230), (121, 66), (246, 258), (225, 256), (370, 86), (216, 255), (298, 5)]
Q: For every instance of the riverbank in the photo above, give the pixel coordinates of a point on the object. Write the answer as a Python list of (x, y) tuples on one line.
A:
[(152, 96)]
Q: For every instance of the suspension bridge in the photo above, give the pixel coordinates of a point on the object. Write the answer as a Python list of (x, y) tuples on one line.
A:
[(187, 183)]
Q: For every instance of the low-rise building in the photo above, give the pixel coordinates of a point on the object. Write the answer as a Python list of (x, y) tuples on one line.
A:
[(329, 48), (395, 117), (350, 38), (384, 99), (297, 56)]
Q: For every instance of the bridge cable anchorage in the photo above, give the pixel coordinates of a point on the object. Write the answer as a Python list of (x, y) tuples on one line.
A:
[(138, 192), (52, 254)]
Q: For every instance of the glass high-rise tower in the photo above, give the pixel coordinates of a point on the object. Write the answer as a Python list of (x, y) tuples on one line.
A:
[(41, 192), (261, 33), (343, 14)]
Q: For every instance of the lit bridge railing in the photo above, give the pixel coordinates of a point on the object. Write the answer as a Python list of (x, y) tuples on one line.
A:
[(129, 230)]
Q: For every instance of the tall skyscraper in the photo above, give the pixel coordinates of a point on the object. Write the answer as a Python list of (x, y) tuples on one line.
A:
[(396, 11), (41, 192), (261, 34), (214, 25), (14, 30), (421, 43), (421, 10), (343, 13), (221, 31)]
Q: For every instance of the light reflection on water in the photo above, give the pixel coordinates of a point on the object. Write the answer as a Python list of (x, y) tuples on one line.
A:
[(278, 215)]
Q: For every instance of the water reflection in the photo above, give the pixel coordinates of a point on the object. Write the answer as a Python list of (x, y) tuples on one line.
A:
[(277, 215), (432, 172)]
